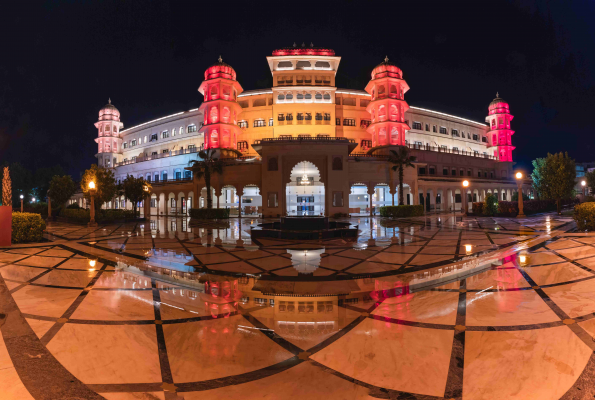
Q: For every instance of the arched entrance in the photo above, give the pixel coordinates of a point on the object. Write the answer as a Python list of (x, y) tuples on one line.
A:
[(305, 192)]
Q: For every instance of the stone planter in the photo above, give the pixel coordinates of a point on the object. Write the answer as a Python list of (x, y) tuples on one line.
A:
[(5, 225)]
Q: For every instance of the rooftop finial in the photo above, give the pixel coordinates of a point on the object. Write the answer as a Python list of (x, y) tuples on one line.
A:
[(386, 59), (303, 44), (109, 101), (497, 95), (311, 44), (294, 45), (220, 59)]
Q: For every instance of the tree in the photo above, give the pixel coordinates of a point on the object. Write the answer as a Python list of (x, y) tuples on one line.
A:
[(555, 176), (590, 178), (135, 190), (6, 188), (105, 185), (21, 179), (537, 177), (490, 205), (401, 159), (206, 166), (61, 189), (42, 178)]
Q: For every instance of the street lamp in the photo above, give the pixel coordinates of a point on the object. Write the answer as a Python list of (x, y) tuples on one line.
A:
[(519, 182), (583, 184), (33, 200), (465, 186), (22, 197), (92, 222)]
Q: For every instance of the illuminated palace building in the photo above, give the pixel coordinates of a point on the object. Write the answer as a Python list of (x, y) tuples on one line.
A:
[(309, 147)]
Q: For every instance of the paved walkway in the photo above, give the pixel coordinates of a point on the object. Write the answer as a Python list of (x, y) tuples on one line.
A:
[(425, 308)]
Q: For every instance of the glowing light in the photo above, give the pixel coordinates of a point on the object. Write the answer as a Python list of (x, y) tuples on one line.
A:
[(91, 185), (523, 259), (468, 248), (22, 197), (255, 93), (519, 175), (583, 183), (33, 200), (92, 263), (465, 183)]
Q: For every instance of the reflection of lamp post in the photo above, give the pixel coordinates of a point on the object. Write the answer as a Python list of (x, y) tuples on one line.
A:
[(22, 197), (92, 210), (519, 182), (465, 186)]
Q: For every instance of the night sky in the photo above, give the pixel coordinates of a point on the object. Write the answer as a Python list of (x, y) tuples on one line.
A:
[(61, 61)]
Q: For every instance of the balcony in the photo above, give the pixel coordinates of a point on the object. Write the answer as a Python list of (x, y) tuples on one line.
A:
[(425, 147), (317, 139), (161, 155)]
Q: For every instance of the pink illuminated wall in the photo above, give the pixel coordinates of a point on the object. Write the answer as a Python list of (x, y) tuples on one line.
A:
[(108, 127), (220, 107), (500, 134), (387, 107)]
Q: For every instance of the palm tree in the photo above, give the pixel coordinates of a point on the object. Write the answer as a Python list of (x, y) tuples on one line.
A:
[(401, 160), (206, 166)]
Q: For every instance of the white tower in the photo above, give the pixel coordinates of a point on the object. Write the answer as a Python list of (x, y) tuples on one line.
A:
[(109, 140)]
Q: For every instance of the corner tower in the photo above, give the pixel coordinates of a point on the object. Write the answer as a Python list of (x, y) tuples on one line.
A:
[(499, 135), (387, 106), (109, 140), (220, 107)]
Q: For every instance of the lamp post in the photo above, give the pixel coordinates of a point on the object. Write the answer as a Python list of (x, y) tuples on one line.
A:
[(519, 182), (583, 184), (22, 197), (465, 186), (92, 222)]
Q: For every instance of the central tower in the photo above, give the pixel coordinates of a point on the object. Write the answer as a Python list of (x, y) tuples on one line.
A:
[(500, 134), (387, 107), (109, 140), (220, 107)]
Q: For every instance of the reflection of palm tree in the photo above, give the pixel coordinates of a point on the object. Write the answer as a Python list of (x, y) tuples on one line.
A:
[(401, 160)]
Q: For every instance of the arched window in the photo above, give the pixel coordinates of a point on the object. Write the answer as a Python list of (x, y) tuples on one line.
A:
[(394, 135), (327, 96), (337, 164), (381, 91), (382, 136), (226, 90), (213, 115), (322, 64), (225, 114), (281, 97), (394, 112), (308, 96), (214, 92), (107, 128), (300, 96), (381, 112), (303, 64), (393, 91), (273, 165), (289, 97), (285, 65), (318, 96)]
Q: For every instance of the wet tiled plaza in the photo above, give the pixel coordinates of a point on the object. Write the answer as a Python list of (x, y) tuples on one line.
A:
[(423, 308)]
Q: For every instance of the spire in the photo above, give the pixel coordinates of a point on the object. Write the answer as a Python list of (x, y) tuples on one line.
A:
[(303, 44), (497, 95), (109, 101), (220, 59), (386, 59), (294, 45), (311, 44)]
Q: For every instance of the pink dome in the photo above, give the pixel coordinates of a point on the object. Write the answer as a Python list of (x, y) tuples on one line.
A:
[(498, 106), (386, 68), (109, 112), (220, 70)]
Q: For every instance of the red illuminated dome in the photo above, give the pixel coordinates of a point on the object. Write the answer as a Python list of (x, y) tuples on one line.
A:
[(387, 68), (498, 105), (220, 70), (109, 112), (304, 51)]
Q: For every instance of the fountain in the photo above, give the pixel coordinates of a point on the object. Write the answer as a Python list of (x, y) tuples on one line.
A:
[(308, 227)]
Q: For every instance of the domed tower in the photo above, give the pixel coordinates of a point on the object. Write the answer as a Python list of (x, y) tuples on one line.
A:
[(387, 107), (109, 140), (220, 107), (499, 135)]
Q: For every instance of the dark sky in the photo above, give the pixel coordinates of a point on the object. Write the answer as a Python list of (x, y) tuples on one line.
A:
[(60, 61)]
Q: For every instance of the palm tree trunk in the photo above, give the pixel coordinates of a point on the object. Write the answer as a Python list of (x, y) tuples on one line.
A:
[(401, 184), (208, 184)]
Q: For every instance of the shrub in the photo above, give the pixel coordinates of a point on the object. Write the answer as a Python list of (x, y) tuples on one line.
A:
[(27, 227), (589, 199), (490, 205), (83, 215), (511, 208), (77, 215), (74, 206), (584, 215), (401, 211), (477, 208), (209, 213)]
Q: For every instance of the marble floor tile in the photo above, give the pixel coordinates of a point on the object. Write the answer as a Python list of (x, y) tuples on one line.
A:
[(55, 252), (10, 258), (543, 258), (39, 326), (77, 263), (392, 356), (36, 261), (359, 254), (427, 306), (576, 253), (497, 279), (116, 305), (410, 249), (439, 250), (49, 302), (137, 396), (337, 263), (11, 386), (423, 259), (122, 280), (28, 251), (66, 278), (108, 353), (272, 263), (247, 255), (539, 364), (556, 273), (576, 299), (180, 304), (372, 267), (563, 244), (20, 273), (236, 266), (232, 345), (505, 308), (304, 381)]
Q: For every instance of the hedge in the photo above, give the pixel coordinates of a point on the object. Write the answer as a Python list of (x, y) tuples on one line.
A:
[(84, 215), (478, 208), (209, 213), (584, 215), (401, 211), (27, 227)]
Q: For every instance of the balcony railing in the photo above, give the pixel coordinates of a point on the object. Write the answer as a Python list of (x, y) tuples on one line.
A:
[(304, 139), (160, 155), (173, 180), (428, 148)]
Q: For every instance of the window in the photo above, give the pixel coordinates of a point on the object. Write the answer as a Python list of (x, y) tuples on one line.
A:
[(300, 116), (285, 64), (191, 128), (364, 123), (300, 96), (281, 117), (462, 172), (289, 96), (322, 64), (444, 148), (338, 121), (164, 175), (479, 174), (154, 153), (165, 151), (427, 128), (145, 139), (417, 125), (453, 172), (475, 137), (133, 143), (153, 203), (348, 101), (432, 170), (308, 96), (443, 130), (349, 121), (153, 137), (366, 144), (308, 117), (444, 171), (318, 117), (469, 173), (318, 96), (181, 130), (364, 102), (259, 123), (173, 132), (434, 128), (164, 134), (124, 145), (492, 174), (456, 149), (191, 146), (281, 97), (337, 199), (289, 117), (455, 132), (468, 135), (327, 117), (422, 170), (243, 124), (270, 121)]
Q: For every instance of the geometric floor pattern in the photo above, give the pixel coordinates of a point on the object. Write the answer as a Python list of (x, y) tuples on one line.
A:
[(82, 317)]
